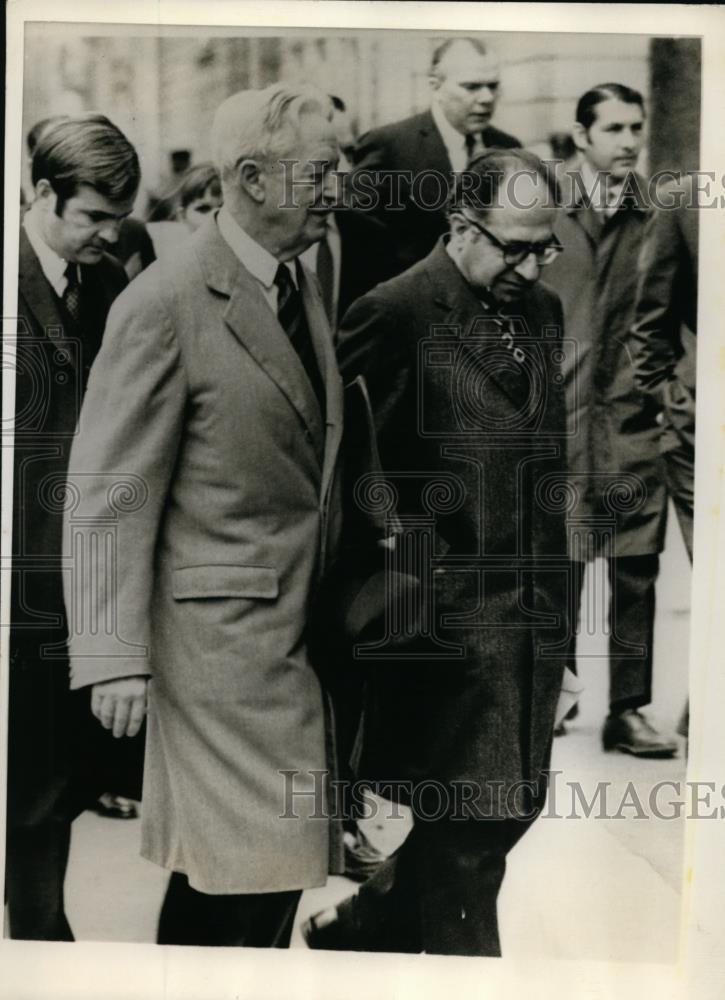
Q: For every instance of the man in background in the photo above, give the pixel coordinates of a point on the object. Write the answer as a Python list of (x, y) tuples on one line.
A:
[(614, 457), (464, 79), (85, 177)]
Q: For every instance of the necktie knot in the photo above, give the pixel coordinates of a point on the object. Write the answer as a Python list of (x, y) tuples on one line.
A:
[(474, 146)]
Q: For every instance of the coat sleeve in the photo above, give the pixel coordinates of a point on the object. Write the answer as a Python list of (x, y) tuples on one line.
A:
[(372, 343), (120, 470), (654, 336)]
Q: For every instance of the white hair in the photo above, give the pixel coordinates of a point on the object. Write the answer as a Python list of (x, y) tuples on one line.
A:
[(256, 124)]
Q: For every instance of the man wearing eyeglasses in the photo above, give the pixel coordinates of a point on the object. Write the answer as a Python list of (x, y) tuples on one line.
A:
[(461, 355), (464, 79), (614, 453)]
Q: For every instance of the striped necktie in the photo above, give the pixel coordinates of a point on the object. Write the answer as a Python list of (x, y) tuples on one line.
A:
[(291, 315)]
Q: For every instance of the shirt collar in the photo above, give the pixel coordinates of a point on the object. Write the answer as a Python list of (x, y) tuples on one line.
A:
[(260, 263), (52, 266)]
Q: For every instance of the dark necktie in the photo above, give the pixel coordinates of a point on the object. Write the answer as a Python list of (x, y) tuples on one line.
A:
[(71, 297), (326, 277), (474, 146), (291, 315)]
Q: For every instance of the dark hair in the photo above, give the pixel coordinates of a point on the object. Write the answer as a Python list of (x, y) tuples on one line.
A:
[(31, 139), (337, 102), (440, 51), (585, 109), (195, 183), (477, 187), (86, 149)]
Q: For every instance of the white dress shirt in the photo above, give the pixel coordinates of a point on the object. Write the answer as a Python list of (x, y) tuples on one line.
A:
[(453, 140), (260, 263), (603, 194)]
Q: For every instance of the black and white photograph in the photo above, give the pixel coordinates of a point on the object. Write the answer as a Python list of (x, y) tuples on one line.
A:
[(360, 587)]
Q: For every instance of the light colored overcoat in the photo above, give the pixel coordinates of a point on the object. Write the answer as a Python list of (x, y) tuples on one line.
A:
[(205, 471)]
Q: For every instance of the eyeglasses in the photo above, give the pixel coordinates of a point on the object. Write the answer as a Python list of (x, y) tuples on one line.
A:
[(517, 252)]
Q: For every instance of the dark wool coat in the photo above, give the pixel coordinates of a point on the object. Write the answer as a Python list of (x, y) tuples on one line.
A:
[(614, 435), (463, 432)]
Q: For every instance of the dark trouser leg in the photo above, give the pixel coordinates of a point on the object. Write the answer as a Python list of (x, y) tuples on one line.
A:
[(632, 613), (35, 866), (680, 475), (244, 920), (575, 583), (438, 893)]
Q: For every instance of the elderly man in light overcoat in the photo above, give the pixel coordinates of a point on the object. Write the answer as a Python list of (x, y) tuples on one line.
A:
[(207, 454)]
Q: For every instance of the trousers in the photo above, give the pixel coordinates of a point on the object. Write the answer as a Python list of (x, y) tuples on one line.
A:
[(631, 626)]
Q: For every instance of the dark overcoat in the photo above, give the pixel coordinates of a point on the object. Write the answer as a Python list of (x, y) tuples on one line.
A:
[(614, 452), (471, 441)]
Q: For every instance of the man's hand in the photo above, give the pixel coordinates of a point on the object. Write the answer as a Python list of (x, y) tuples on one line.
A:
[(120, 704)]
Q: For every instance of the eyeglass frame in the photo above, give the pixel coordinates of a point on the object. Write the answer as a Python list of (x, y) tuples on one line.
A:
[(555, 246)]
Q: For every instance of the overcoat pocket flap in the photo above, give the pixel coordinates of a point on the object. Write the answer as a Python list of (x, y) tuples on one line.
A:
[(224, 581)]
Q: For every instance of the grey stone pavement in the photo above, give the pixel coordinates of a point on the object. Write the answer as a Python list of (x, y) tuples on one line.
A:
[(580, 888)]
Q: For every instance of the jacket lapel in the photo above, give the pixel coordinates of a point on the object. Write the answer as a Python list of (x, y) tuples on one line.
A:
[(35, 288), (432, 152), (250, 319)]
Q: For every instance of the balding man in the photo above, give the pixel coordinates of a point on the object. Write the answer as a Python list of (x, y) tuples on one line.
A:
[(464, 79), (216, 398)]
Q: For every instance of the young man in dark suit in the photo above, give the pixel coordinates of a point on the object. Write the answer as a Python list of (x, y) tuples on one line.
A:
[(85, 177), (460, 354), (464, 80)]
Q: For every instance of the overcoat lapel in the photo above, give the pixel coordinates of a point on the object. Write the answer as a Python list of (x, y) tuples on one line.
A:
[(250, 319)]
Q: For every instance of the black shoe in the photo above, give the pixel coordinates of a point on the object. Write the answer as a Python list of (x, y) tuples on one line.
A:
[(560, 729), (330, 929), (630, 732), (573, 712), (115, 807), (361, 859)]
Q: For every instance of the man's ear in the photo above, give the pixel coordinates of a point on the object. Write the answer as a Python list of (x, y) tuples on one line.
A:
[(580, 135), (434, 81), (44, 190), (457, 223), (252, 179)]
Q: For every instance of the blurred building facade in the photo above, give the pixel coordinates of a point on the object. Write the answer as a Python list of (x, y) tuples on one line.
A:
[(161, 86)]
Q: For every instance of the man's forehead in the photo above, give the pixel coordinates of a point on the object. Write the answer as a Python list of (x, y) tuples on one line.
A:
[(91, 200), (612, 111), (465, 62)]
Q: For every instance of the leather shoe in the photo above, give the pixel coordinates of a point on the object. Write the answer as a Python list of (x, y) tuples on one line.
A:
[(629, 732), (330, 929), (115, 807)]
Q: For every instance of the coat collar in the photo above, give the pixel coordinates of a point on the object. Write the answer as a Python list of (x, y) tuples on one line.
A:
[(250, 319)]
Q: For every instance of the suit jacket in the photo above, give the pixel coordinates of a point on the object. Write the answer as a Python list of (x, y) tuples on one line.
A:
[(614, 452), (203, 453), (47, 779), (663, 334), (472, 454), (415, 145)]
